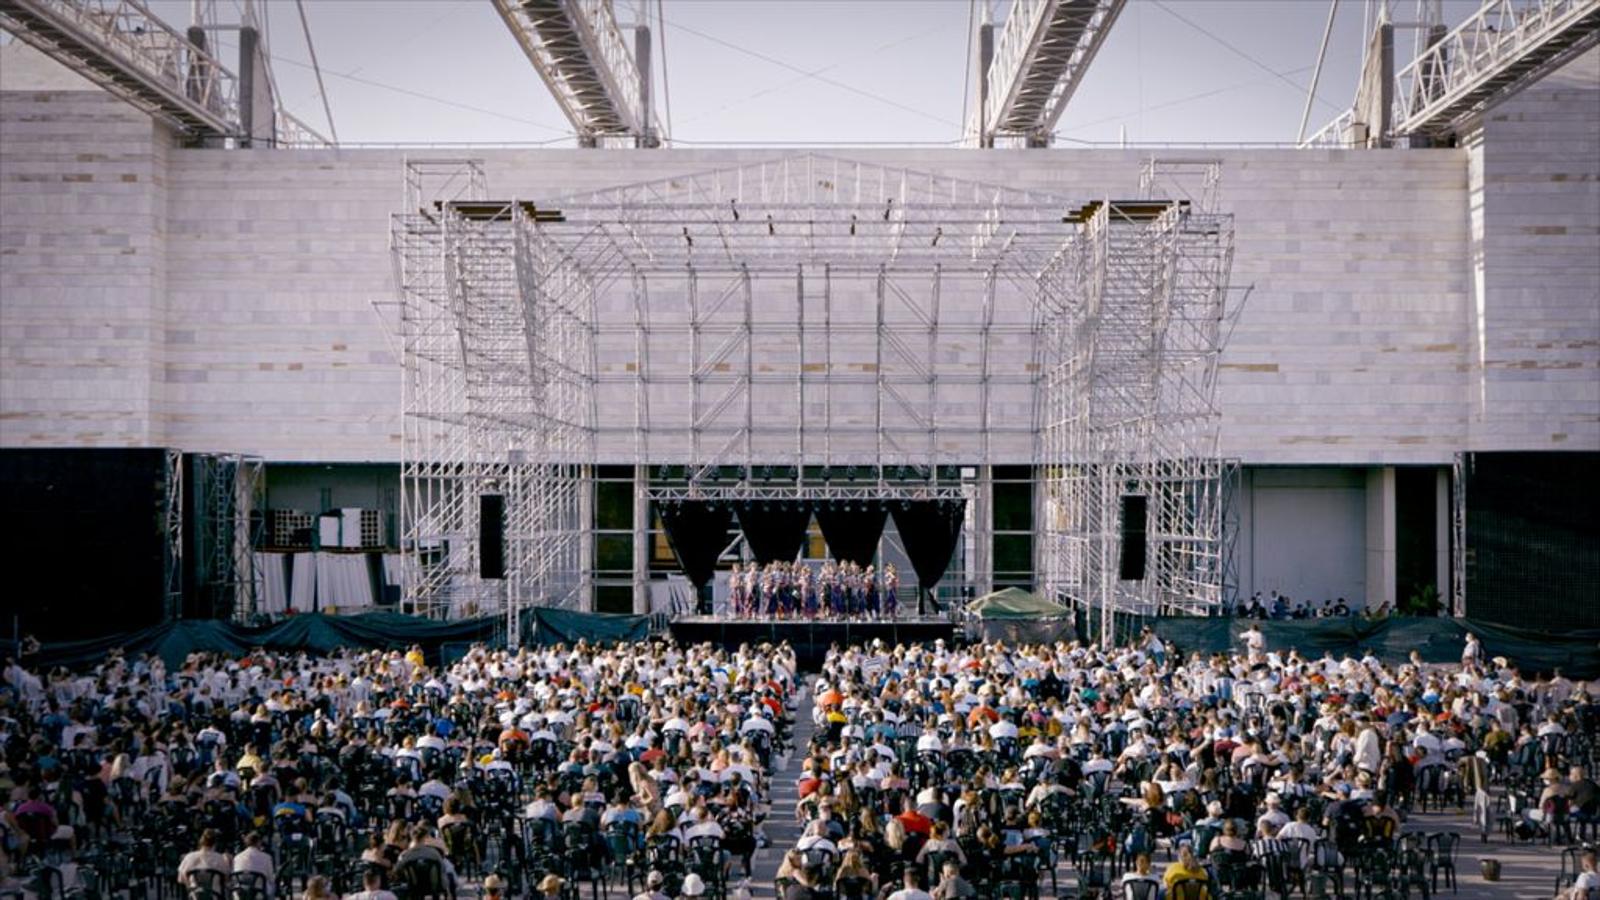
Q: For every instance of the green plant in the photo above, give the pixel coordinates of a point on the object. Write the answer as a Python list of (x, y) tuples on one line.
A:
[(1424, 601)]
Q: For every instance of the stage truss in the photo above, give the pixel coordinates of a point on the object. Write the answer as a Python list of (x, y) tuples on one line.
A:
[(1133, 332), (229, 491), (804, 328)]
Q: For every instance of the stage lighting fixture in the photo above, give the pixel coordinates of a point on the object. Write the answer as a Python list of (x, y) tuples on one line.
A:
[(888, 209), (734, 205), (771, 229), (852, 224), (937, 233), (687, 237)]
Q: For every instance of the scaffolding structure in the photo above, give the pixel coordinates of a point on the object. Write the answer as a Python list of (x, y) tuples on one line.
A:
[(228, 493), (1129, 364), (172, 536), (497, 348), (806, 328)]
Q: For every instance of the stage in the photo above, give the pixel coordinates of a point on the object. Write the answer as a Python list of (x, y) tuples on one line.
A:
[(810, 639)]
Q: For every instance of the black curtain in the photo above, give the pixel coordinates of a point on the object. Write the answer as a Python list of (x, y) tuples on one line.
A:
[(928, 529), (775, 529), (852, 528), (698, 532)]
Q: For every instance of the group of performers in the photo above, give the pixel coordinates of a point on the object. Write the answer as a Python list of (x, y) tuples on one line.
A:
[(838, 590)]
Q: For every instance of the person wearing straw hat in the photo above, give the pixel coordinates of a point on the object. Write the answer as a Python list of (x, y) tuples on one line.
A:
[(550, 886), (1554, 786)]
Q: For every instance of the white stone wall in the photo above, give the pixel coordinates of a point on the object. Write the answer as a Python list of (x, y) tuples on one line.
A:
[(1534, 183), (82, 271), (241, 317)]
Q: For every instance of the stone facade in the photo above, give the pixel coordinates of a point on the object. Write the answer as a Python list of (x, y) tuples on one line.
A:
[(1405, 304)]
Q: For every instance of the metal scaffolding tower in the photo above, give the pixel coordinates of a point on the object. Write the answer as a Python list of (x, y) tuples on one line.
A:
[(496, 340), (578, 50), (1132, 339), (228, 493), (172, 536), (1040, 57)]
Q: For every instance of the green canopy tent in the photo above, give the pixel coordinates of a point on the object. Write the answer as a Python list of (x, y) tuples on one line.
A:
[(1017, 616)]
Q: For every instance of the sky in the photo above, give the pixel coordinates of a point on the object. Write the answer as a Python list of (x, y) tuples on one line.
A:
[(788, 72)]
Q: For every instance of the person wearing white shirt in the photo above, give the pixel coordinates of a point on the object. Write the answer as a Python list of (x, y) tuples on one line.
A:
[(433, 787), (1005, 728), (816, 838), (910, 891), (372, 887), (253, 859), (1588, 879), (1551, 726), (929, 742), (1301, 829), (1368, 751), (205, 858), (1269, 822)]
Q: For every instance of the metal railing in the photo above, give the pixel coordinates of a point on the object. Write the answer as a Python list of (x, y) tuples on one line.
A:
[(293, 134), (112, 42), (581, 55), (1025, 42), (1334, 135)]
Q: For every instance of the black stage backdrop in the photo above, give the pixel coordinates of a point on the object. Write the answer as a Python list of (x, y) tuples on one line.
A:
[(1533, 539), (698, 532), (852, 529), (928, 529), (83, 536), (775, 530)]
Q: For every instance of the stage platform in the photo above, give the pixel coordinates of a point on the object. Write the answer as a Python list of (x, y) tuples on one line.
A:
[(809, 639)]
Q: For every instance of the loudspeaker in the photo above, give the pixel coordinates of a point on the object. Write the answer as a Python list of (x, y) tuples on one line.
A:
[(491, 536), (1134, 507)]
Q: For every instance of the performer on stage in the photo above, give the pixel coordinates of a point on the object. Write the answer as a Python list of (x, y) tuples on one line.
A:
[(871, 580), (891, 590), (769, 590), (736, 591), (808, 592)]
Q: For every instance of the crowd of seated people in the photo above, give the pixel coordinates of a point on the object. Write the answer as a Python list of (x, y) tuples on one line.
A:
[(373, 774), (939, 771)]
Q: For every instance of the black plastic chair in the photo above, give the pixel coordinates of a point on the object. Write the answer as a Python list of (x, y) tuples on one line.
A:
[(1140, 890), (1442, 858), (206, 884), (247, 886), (1188, 889), (421, 879)]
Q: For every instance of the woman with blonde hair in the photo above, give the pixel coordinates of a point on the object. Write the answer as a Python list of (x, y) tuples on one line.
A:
[(854, 866), (317, 889), (646, 793)]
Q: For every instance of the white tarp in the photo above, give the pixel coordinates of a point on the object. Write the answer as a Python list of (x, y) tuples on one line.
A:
[(343, 582), (272, 583), (303, 582)]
